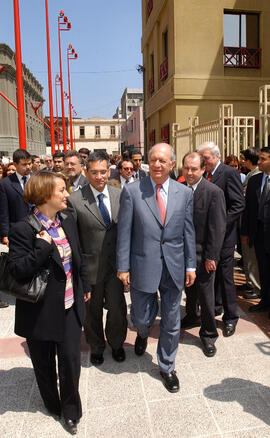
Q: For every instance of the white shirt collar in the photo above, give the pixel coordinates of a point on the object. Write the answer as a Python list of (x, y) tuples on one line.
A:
[(20, 177), (96, 192), (123, 180), (165, 185), (194, 186)]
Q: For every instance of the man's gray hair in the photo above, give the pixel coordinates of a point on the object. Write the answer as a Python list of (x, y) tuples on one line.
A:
[(211, 146), (165, 144)]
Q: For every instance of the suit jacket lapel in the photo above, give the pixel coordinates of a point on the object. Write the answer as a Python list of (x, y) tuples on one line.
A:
[(258, 189), (170, 201), (114, 204), (149, 197), (217, 173), (67, 227), (16, 183), (90, 203)]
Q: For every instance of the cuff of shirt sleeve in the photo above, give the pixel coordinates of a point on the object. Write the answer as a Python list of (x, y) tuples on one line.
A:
[(191, 269)]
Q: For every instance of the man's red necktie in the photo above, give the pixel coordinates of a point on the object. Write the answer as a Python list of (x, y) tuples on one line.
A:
[(160, 203), (209, 176)]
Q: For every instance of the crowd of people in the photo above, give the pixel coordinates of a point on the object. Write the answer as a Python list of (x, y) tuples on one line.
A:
[(108, 227)]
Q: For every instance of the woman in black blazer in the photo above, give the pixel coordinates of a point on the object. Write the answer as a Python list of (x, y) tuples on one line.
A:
[(53, 325)]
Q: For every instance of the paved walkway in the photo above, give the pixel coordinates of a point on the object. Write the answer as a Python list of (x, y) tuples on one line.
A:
[(225, 396)]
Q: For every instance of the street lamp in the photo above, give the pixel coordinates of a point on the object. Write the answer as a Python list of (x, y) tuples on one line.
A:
[(63, 25), (71, 54), (57, 82), (19, 76), (50, 80)]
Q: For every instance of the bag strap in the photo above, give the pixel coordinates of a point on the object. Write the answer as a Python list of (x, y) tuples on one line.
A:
[(34, 222)]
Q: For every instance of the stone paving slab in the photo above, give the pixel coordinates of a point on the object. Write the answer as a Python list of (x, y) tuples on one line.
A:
[(225, 396)]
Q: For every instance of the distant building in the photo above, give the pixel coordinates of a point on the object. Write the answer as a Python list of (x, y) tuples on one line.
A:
[(133, 131), (130, 100), (9, 136), (118, 113), (98, 133)]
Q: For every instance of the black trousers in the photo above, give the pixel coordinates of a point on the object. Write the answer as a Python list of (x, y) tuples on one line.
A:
[(68, 352), (225, 288), (108, 294), (263, 259), (200, 303)]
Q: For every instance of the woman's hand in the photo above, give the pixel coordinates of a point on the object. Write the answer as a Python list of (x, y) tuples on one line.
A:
[(45, 236), (87, 296)]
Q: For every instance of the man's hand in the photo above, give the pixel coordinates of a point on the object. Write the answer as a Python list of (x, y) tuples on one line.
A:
[(190, 278), (5, 240), (245, 240), (87, 296), (124, 277), (210, 265)]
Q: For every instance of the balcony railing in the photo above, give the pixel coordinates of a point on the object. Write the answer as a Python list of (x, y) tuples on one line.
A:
[(242, 57), (149, 7), (151, 85), (163, 71)]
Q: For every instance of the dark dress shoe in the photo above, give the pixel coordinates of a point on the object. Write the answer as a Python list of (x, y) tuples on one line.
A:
[(97, 359), (3, 304), (119, 355), (187, 323), (140, 345), (228, 329), (208, 349), (244, 287), (71, 426), (258, 308), (170, 381), (251, 295)]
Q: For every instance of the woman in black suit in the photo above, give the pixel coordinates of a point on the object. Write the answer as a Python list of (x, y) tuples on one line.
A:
[(52, 326)]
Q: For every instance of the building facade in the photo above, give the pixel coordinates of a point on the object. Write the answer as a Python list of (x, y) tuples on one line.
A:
[(133, 131), (9, 136), (197, 55), (98, 133), (130, 100)]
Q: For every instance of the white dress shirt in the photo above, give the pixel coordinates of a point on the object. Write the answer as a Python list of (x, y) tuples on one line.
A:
[(20, 178), (124, 181), (106, 198)]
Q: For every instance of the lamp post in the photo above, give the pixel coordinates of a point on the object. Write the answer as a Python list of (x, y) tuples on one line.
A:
[(19, 76), (63, 24), (50, 80), (57, 82), (71, 54)]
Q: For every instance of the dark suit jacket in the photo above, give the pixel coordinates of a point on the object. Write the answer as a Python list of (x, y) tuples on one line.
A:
[(228, 179), (250, 216), (98, 243), (45, 320), (209, 217), (142, 174), (12, 206), (83, 181)]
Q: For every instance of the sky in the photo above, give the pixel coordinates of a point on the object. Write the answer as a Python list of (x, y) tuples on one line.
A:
[(106, 35)]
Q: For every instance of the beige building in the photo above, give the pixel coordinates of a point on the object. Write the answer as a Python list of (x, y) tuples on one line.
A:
[(198, 54), (98, 133), (9, 137)]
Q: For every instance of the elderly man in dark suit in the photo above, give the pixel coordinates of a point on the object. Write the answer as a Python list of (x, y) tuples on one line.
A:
[(12, 206), (209, 217), (95, 208), (256, 225), (156, 251), (228, 179)]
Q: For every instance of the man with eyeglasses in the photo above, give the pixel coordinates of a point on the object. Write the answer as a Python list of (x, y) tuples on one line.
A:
[(48, 161), (95, 208), (126, 169)]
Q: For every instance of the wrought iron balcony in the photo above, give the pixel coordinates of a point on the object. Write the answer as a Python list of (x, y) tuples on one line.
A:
[(163, 70), (242, 57)]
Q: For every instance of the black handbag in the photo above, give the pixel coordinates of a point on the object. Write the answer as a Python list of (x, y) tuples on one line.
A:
[(31, 290)]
